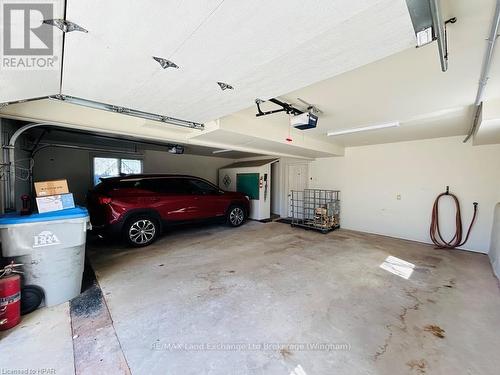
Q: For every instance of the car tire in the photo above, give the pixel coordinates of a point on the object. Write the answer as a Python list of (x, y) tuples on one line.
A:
[(235, 216), (141, 231)]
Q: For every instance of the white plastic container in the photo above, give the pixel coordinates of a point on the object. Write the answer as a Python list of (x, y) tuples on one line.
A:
[(51, 247)]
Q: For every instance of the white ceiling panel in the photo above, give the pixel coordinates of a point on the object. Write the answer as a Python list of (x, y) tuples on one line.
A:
[(35, 79), (262, 48)]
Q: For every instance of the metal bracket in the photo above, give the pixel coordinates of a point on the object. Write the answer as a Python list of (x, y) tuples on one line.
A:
[(287, 108), (64, 25), (165, 63), (225, 86), (451, 20)]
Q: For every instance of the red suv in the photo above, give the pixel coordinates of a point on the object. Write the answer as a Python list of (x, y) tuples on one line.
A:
[(139, 206)]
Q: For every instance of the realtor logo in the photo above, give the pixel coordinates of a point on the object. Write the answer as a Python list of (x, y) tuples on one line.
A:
[(27, 42)]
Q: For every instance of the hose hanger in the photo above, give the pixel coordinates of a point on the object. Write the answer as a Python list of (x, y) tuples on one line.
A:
[(435, 231)]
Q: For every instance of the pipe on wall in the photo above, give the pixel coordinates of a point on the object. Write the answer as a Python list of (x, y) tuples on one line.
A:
[(485, 69), (12, 160)]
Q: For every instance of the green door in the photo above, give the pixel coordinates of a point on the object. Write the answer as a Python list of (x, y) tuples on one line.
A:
[(248, 183)]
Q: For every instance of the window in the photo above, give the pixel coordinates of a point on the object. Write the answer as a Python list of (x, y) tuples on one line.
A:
[(171, 186), (202, 188), (108, 167)]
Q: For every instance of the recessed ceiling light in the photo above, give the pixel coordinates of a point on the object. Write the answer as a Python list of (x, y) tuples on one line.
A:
[(220, 151), (65, 26), (363, 129), (165, 63), (225, 86)]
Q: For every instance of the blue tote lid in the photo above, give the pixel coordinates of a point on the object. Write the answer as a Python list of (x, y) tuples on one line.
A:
[(70, 213)]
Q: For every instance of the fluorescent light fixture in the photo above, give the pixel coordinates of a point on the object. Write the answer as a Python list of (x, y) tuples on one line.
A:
[(220, 151), (424, 37), (363, 129)]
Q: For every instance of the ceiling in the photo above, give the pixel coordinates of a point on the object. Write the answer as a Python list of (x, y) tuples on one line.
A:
[(408, 87), (262, 48), (355, 60)]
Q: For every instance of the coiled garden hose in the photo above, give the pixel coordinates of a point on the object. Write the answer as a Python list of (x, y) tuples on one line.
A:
[(435, 232)]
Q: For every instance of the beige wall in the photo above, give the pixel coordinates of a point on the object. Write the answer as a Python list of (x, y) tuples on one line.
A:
[(371, 177), (75, 166)]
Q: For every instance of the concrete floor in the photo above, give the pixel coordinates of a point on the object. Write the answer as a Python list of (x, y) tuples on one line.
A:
[(217, 300), (271, 299), (40, 344)]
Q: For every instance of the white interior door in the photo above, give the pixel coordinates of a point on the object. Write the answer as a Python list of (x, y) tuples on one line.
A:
[(297, 180)]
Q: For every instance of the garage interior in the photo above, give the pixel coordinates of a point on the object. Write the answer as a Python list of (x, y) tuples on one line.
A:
[(384, 105)]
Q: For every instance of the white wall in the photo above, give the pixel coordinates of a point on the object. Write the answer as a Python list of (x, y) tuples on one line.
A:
[(260, 209), (200, 166), (76, 167), (371, 177), (283, 188)]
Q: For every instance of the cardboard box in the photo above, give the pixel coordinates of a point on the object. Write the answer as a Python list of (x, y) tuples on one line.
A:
[(55, 203), (54, 187)]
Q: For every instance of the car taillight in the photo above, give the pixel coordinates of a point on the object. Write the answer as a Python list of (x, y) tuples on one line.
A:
[(104, 200)]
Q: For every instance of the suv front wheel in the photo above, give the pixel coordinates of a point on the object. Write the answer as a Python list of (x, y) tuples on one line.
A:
[(141, 231), (235, 216)]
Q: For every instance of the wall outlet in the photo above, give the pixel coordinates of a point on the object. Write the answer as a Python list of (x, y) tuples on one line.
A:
[(398, 197)]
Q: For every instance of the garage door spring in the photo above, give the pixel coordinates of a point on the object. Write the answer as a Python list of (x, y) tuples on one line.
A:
[(435, 231)]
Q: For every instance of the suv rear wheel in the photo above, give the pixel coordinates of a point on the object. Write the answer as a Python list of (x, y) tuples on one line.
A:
[(235, 216), (141, 231)]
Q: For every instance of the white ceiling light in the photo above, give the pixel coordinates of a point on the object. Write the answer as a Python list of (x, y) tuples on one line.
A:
[(363, 129), (220, 151)]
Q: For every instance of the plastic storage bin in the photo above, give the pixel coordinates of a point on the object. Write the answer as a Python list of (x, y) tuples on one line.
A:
[(51, 246)]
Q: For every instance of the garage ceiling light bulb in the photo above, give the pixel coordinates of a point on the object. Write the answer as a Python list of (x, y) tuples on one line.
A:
[(165, 63)]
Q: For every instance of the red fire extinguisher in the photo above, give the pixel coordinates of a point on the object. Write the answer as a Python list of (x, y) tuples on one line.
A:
[(10, 297)]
